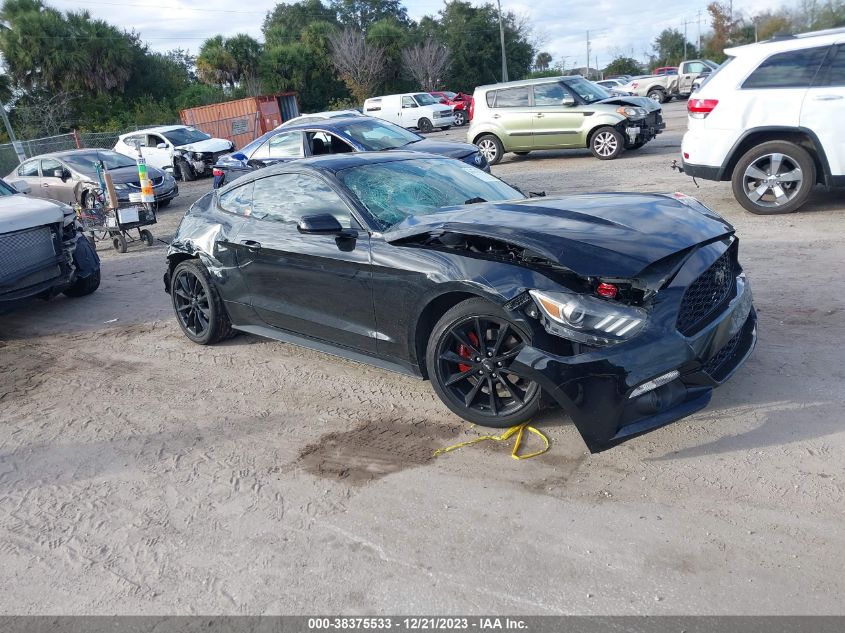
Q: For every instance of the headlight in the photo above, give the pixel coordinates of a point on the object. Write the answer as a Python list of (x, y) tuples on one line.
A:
[(120, 187), (587, 319), (198, 155), (632, 112)]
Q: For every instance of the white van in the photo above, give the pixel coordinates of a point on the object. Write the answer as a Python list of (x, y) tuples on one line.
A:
[(413, 109)]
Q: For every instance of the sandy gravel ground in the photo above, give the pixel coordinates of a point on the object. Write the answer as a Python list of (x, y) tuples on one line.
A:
[(140, 473)]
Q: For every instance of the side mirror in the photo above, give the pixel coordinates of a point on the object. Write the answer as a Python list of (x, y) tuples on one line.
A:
[(60, 173), (255, 163), (567, 102), (161, 146), (320, 224)]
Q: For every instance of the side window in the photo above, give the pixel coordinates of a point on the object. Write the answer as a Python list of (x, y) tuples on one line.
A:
[(153, 141), (550, 94), (374, 105), (287, 197), (695, 67), (325, 143), (408, 102), (793, 69), (130, 141), (29, 168), (285, 146), (512, 97), (48, 166), (834, 72), (237, 200)]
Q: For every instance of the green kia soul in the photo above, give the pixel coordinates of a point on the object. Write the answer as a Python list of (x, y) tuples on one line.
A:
[(559, 113)]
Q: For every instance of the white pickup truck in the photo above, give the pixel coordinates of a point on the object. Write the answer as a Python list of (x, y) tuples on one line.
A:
[(661, 88)]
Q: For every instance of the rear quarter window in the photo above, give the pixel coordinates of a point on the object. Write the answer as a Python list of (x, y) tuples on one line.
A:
[(834, 72), (792, 69), (512, 97)]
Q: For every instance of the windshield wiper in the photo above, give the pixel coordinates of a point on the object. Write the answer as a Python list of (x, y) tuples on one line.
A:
[(474, 200)]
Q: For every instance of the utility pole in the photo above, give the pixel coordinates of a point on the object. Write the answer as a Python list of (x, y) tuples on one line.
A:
[(685, 39), (502, 38), (699, 33), (587, 69)]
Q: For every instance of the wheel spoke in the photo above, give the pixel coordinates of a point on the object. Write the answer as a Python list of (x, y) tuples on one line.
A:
[(463, 340), (511, 353), (509, 386), (791, 176), (470, 397), (755, 172), (480, 335), (780, 195), (503, 332), (206, 312), (184, 283), (456, 378), (759, 192), (202, 323), (774, 168), (184, 308), (181, 293), (452, 357), (492, 387)]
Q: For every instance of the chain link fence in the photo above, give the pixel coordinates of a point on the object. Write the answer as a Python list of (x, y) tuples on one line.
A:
[(225, 128)]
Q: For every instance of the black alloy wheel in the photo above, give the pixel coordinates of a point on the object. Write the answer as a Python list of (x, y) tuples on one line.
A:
[(425, 125), (199, 308), (469, 363)]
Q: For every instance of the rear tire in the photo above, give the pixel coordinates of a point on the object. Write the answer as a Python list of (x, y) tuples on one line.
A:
[(460, 118), (468, 358), (83, 286), (795, 177), (425, 125), (657, 95), (606, 143), (490, 147), (197, 304)]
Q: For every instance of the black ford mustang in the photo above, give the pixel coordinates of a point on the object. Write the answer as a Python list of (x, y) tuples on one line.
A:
[(624, 309)]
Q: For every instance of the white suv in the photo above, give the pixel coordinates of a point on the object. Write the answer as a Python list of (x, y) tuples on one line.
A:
[(770, 120)]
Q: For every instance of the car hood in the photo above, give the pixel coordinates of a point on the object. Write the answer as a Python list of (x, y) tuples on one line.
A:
[(641, 102), (123, 175), (592, 235), (442, 148), (208, 145), (19, 211)]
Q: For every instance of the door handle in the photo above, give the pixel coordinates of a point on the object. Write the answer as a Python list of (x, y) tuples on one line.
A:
[(497, 116), (251, 244), (828, 98), (45, 184), (539, 115)]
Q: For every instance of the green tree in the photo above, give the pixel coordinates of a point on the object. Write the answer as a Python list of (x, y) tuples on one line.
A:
[(392, 37), (286, 22), (215, 64), (542, 61), (472, 36), (669, 48), (361, 14), (623, 66)]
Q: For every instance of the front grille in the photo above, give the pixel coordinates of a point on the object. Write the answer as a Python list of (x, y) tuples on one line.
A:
[(705, 295), (156, 183), (25, 249), (654, 120), (726, 358)]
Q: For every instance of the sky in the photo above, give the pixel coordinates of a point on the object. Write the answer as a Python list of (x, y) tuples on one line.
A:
[(616, 27)]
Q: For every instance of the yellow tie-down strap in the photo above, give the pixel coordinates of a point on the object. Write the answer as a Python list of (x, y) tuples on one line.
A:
[(519, 430)]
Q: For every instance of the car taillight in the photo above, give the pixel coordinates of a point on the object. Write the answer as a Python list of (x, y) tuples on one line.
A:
[(471, 109), (217, 172), (700, 108)]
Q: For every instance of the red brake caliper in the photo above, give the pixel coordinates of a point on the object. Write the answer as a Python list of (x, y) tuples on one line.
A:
[(465, 352)]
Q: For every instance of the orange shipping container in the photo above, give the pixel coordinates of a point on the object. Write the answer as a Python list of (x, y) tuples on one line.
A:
[(243, 120)]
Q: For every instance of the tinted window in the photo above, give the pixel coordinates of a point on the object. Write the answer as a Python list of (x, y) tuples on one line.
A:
[(793, 69), (237, 200), (184, 136), (287, 197), (550, 94), (286, 146), (86, 161), (30, 168), (512, 97), (424, 98), (48, 166), (834, 73), (375, 134)]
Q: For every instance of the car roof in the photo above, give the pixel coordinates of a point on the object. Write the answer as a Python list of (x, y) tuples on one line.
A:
[(325, 125), (528, 82), (73, 152), (160, 128), (791, 42)]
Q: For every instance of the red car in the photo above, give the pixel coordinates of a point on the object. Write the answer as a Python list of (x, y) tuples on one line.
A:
[(460, 103), (666, 70)]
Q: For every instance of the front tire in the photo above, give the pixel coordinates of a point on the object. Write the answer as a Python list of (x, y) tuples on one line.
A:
[(657, 95), (490, 147), (606, 143), (186, 174), (425, 125), (773, 178), (468, 358), (197, 304), (83, 286)]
